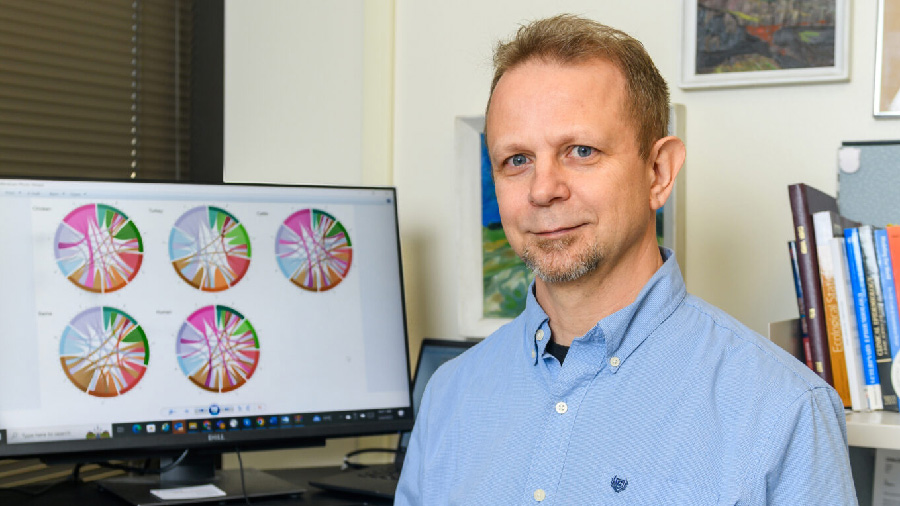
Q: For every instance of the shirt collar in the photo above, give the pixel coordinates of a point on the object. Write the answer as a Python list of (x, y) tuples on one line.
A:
[(624, 330)]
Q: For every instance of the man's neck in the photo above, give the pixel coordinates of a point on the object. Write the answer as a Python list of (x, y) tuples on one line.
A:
[(576, 306)]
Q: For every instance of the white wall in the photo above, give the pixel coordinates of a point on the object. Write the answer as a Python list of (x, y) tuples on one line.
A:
[(308, 100), (744, 147), (308, 89)]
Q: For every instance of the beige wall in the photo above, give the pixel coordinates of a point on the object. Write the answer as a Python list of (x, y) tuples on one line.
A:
[(308, 100), (744, 145), (308, 88)]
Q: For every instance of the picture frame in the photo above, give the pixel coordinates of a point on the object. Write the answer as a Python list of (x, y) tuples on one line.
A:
[(887, 60), (738, 43), (492, 280), (473, 319)]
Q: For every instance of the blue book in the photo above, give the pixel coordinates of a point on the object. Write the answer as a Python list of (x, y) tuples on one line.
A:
[(863, 319), (889, 291)]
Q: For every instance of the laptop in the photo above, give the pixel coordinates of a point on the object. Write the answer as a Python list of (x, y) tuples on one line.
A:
[(381, 480)]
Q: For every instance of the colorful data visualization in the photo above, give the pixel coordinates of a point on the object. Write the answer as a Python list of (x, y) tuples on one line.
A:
[(218, 348), (104, 351), (313, 250), (98, 248), (209, 248)]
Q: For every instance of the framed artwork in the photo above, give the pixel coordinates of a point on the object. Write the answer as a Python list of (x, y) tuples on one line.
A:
[(493, 281), (887, 60), (729, 43)]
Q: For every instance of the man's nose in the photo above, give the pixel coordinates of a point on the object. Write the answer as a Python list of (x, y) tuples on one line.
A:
[(548, 183)]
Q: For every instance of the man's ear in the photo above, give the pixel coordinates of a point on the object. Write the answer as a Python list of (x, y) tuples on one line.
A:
[(666, 159)]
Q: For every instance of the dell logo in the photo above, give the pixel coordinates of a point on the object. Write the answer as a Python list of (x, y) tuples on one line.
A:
[(216, 437)]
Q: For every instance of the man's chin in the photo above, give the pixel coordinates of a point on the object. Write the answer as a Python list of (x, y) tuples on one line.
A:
[(559, 276), (563, 272)]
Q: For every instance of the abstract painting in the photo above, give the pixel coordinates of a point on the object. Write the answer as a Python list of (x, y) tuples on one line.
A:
[(751, 42), (493, 281), (505, 276)]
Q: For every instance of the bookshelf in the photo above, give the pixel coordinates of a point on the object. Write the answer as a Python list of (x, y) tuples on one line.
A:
[(876, 429)]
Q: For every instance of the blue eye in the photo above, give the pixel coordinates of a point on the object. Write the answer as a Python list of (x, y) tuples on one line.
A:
[(518, 160), (583, 151)]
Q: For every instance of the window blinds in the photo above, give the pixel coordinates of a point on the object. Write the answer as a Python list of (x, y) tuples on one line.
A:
[(95, 88)]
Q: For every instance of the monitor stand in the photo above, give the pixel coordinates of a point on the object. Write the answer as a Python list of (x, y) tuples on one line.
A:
[(194, 471)]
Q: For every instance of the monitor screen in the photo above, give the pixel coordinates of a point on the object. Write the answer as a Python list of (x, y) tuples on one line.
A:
[(162, 316)]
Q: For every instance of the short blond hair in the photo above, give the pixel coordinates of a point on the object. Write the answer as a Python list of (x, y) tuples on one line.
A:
[(570, 39)]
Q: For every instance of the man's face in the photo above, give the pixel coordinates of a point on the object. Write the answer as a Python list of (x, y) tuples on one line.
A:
[(573, 191)]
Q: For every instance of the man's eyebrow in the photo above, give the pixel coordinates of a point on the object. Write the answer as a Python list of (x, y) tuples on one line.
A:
[(508, 147)]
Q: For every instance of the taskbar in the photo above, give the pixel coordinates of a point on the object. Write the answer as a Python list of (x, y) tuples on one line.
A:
[(255, 422), (149, 428)]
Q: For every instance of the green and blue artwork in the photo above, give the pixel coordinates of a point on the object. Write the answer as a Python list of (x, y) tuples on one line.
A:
[(506, 278)]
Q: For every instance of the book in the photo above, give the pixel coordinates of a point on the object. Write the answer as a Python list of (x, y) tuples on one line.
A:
[(806, 200), (856, 381), (874, 397), (889, 295), (801, 308), (876, 315), (828, 225), (893, 238)]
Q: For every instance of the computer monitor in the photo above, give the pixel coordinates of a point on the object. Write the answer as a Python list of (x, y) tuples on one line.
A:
[(145, 318)]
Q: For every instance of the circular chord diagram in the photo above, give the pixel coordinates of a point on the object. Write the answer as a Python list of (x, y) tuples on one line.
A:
[(104, 351), (98, 248), (209, 248), (313, 250), (218, 348)]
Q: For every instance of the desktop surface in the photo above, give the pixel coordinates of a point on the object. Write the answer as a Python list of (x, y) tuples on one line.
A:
[(89, 494)]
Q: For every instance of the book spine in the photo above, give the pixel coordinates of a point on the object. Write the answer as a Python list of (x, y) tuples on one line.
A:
[(864, 325), (852, 356), (809, 280), (893, 239), (801, 307), (889, 294), (876, 311), (824, 223)]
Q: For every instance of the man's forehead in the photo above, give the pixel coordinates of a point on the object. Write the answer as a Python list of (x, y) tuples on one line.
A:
[(538, 83)]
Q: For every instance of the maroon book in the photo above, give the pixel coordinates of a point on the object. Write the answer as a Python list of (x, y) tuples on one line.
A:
[(806, 200)]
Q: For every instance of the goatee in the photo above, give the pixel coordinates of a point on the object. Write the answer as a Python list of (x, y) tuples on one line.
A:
[(551, 261)]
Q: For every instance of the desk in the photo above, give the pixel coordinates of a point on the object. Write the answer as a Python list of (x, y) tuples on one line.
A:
[(89, 494)]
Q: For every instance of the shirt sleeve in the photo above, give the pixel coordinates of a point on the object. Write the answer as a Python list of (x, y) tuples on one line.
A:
[(808, 461), (409, 488)]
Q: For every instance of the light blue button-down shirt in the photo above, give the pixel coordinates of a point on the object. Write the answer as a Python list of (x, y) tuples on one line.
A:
[(668, 401)]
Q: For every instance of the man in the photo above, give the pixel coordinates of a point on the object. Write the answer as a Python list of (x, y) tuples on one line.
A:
[(613, 386)]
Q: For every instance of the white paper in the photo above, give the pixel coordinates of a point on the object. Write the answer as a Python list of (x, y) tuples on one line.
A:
[(886, 491), (196, 492)]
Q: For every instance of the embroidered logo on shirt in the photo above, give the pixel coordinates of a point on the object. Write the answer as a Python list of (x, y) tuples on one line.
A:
[(618, 484)]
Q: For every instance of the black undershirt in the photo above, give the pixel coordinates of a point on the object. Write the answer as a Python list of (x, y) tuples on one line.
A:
[(557, 350)]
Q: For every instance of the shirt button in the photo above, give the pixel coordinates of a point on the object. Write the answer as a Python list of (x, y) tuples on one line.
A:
[(539, 334), (561, 407), (533, 353), (540, 495), (614, 361)]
